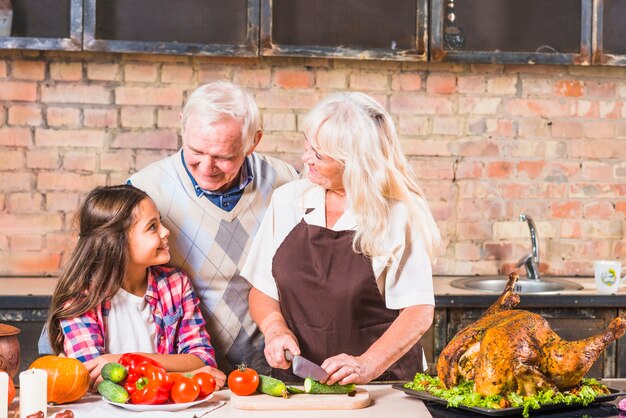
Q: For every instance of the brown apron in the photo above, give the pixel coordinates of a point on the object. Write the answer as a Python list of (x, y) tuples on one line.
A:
[(330, 300)]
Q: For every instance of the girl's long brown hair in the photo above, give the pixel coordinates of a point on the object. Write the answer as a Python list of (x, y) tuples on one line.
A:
[(96, 268)]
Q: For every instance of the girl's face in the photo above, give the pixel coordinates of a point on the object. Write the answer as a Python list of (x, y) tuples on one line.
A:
[(323, 170), (147, 238)]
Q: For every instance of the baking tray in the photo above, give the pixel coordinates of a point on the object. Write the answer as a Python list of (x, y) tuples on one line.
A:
[(425, 396)]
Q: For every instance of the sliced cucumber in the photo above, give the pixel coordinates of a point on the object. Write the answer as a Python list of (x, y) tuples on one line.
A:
[(314, 387), (294, 390), (273, 387)]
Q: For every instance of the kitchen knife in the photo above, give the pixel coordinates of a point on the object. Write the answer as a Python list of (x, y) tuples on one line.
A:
[(305, 368)]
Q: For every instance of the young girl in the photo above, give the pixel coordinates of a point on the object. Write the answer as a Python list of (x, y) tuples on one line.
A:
[(114, 296)]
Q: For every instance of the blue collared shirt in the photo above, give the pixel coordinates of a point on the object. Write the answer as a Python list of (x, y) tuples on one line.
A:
[(228, 199)]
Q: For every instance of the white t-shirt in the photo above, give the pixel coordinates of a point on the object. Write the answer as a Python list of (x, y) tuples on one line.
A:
[(130, 325), (404, 277)]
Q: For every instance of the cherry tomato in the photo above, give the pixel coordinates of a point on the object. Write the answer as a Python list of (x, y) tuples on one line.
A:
[(206, 382), (174, 377), (184, 390), (243, 381)]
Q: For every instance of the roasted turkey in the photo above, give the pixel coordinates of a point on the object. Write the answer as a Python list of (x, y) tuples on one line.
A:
[(508, 350)]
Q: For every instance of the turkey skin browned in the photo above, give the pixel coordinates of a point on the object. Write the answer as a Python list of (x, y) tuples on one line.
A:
[(508, 350)]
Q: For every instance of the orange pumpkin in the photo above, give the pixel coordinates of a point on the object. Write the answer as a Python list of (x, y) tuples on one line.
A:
[(11, 390), (68, 378)]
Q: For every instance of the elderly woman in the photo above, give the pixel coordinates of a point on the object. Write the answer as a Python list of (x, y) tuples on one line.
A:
[(341, 267)]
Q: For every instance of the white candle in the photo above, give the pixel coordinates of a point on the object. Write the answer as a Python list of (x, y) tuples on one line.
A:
[(33, 392), (4, 395)]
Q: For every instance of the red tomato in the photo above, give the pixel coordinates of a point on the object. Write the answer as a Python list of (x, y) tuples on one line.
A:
[(206, 382), (184, 390), (243, 381), (174, 377)]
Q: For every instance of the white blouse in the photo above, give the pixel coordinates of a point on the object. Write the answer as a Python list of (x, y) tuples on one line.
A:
[(404, 277), (130, 325)]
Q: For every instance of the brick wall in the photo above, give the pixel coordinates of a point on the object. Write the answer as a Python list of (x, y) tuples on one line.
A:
[(487, 142)]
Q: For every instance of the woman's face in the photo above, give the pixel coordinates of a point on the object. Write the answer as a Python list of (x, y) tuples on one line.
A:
[(323, 170)]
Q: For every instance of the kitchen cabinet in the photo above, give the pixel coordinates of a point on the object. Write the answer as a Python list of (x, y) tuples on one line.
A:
[(569, 323), (46, 25), (512, 31), (362, 29)]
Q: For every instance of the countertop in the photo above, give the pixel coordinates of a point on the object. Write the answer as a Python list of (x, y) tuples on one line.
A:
[(386, 401), (34, 293)]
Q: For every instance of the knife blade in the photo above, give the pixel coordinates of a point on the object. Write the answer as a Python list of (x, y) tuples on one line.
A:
[(304, 368)]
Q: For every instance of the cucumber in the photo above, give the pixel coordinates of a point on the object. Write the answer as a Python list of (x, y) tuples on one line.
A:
[(113, 391), (294, 390), (273, 387), (314, 387), (114, 372)]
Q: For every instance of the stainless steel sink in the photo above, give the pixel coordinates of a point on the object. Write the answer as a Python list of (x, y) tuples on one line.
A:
[(523, 286)]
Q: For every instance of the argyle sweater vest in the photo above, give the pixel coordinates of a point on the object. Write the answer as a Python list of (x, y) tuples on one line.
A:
[(211, 245)]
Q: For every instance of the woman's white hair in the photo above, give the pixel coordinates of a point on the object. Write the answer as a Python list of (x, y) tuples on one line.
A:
[(356, 131), (220, 100)]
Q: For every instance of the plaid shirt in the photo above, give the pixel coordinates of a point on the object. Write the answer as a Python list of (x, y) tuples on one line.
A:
[(174, 305)]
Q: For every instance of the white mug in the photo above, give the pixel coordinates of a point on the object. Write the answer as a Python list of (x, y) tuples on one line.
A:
[(608, 276)]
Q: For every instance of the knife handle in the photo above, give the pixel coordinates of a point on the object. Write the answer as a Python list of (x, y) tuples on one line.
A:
[(288, 355)]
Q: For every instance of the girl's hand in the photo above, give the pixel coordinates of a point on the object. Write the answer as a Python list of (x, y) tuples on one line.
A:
[(94, 367), (220, 378), (345, 369)]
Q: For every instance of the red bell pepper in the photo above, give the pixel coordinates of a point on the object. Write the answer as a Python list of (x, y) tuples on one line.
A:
[(152, 386), (130, 360)]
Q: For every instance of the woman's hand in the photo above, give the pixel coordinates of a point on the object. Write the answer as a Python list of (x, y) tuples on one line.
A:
[(220, 378), (94, 367), (276, 342), (345, 369)]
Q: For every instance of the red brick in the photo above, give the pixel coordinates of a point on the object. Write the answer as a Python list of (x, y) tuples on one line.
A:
[(466, 251), (26, 242), (537, 87), (66, 71), (598, 89), (75, 93), (24, 115), (433, 168), (15, 181), (253, 78), (566, 129), (24, 264), (42, 158), (286, 99), (63, 116), (619, 249), (610, 109), (14, 90), (366, 80), (61, 201), (3, 69), (149, 140), (168, 118), (569, 88), (69, 138), (474, 230), (279, 121), (156, 96), (413, 125), (40, 222), (11, 160), (103, 71), (479, 105), (593, 170), (532, 169), (145, 158), (331, 79), (15, 137), (447, 126), (25, 203), (476, 125), (599, 129), (69, 181), (587, 109), (592, 190), (598, 210), (439, 83), (210, 74), (60, 242), (471, 84), (500, 127), (502, 85), (481, 209), (28, 70), (533, 128), (538, 107), (293, 79), (475, 148), (571, 229), (100, 118), (143, 73), (117, 161), (137, 117), (79, 161), (498, 250), (414, 104), (406, 82), (177, 74), (477, 190), (500, 169), (620, 171), (603, 229), (468, 169), (598, 148)]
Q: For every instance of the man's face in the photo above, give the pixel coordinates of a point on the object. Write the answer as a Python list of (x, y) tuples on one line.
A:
[(214, 152)]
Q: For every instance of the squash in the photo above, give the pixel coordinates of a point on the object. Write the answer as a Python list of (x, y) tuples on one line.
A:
[(68, 378)]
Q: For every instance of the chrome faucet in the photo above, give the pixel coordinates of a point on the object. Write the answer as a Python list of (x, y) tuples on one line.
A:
[(530, 261)]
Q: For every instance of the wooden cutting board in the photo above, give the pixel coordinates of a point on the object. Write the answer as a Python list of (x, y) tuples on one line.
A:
[(260, 402)]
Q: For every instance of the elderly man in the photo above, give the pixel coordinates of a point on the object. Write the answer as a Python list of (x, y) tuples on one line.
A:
[(212, 195)]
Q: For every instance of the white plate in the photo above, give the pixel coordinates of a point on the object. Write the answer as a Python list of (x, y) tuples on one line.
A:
[(162, 407)]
